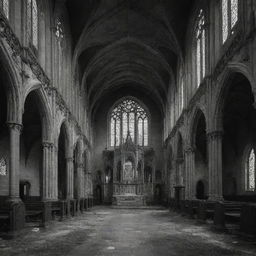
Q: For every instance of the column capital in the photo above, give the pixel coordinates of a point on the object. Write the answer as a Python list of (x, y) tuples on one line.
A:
[(80, 165), (189, 150), (15, 126), (213, 135), (69, 159), (47, 144)]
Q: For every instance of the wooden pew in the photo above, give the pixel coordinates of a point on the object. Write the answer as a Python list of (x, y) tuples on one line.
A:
[(227, 212), (34, 211)]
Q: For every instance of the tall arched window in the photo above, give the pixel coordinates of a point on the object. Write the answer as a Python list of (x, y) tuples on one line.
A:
[(32, 22), (250, 171), (128, 117), (229, 9), (5, 7), (200, 47)]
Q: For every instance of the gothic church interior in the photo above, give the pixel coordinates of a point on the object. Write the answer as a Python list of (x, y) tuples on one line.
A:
[(127, 103)]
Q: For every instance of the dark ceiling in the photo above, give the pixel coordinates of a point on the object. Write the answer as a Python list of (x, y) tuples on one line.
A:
[(138, 42)]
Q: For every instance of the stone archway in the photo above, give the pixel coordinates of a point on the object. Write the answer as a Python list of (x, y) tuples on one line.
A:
[(238, 122), (199, 144)]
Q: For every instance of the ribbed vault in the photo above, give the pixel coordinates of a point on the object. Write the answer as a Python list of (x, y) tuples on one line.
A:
[(131, 44)]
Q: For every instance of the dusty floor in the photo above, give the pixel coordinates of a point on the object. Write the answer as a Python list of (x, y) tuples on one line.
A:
[(106, 231)]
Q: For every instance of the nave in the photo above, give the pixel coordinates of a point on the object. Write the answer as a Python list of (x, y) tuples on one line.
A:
[(133, 232)]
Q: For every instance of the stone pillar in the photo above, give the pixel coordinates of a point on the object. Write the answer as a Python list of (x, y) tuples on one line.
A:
[(190, 173), (14, 169), (215, 165), (49, 177), (79, 184), (69, 177)]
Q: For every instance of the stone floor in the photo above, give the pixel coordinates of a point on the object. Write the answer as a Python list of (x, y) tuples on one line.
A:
[(107, 231)]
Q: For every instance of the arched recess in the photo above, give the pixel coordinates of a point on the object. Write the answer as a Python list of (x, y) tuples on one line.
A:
[(63, 154), (10, 112), (4, 136), (31, 150), (199, 143), (237, 117), (223, 87), (9, 82)]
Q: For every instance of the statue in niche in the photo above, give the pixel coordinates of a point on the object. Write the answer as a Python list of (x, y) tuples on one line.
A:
[(128, 171)]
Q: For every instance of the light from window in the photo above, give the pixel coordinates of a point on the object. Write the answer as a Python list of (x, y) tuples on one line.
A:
[(182, 94), (32, 22), (128, 118), (5, 6), (200, 47), (59, 29), (229, 17), (250, 172)]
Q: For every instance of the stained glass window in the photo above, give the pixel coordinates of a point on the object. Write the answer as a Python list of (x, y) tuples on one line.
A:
[(32, 22), (5, 6), (128, 118), (200, 47), (250, 172), (229, 17)]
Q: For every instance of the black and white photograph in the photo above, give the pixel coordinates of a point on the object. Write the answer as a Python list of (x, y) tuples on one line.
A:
[(127, 127)]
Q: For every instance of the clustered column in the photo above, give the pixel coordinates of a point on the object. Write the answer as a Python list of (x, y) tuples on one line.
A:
[(80, 167), (15, 130), (190, 173), (70, 177), (215, 165), (49, 172)]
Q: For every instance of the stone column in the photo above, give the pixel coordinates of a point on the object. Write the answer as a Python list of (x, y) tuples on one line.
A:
[(189, 173), (79, 184), (69, 177), (49, 177), (14, 169), (215, 165)]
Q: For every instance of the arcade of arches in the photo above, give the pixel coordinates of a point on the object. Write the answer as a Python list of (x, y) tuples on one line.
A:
[(127, 103)]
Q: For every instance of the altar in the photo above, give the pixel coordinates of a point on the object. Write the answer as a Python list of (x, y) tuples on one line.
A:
[(132, 170)]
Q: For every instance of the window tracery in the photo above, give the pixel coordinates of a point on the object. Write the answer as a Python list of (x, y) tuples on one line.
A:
[(5, 7), (32, 22), (229, 10), (59, 29), (200, 47), (128, 118)]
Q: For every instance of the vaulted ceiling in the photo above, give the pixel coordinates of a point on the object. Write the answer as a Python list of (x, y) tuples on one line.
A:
[(134, 44)]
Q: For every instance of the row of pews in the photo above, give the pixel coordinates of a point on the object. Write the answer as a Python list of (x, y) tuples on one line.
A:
[(223, 214), (16, 215)]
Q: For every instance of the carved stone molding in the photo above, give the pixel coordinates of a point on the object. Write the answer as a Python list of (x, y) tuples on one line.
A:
[(234, 46), (48, 145), (15, 126), (80, 165), (69, 159), (28, 57), (189, 150), (7, 33), (201, 91), (214, 135)]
